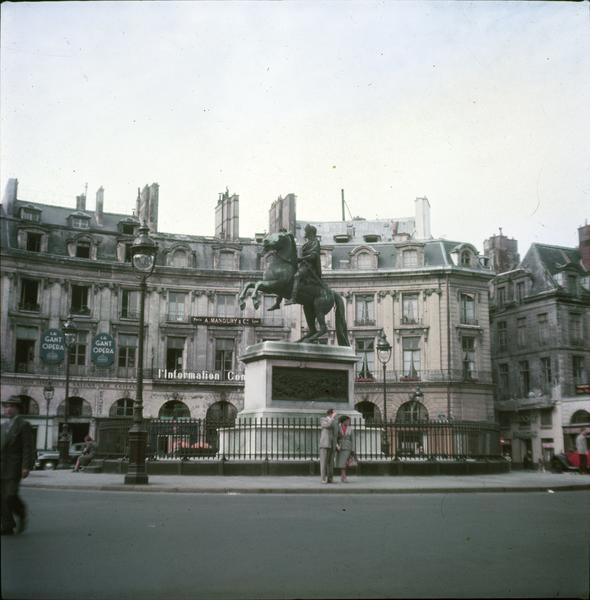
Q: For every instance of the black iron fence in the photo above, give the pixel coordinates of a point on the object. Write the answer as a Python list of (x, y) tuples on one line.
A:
[(279, 439)]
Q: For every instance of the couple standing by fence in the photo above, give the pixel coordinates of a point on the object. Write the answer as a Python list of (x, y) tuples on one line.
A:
[(336, 446)]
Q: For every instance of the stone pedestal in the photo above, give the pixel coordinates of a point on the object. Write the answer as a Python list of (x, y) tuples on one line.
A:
[(288, 388), (283, 379)]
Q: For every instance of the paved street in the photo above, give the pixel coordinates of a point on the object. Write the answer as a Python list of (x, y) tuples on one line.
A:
[(99, 544)]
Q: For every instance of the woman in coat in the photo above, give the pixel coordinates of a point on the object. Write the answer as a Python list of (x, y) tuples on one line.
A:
[(344, 445)]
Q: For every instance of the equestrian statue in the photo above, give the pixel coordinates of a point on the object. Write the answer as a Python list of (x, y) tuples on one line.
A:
[(298, 281)]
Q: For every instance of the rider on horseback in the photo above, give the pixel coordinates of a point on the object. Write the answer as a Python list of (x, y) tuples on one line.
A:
[(309, 271)]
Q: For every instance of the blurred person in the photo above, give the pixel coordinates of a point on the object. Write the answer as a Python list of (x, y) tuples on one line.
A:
[(87, 454), (328, 437), (17, 458), (344, 446)]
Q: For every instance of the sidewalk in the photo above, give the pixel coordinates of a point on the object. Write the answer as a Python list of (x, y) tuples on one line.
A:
[(517, 481)]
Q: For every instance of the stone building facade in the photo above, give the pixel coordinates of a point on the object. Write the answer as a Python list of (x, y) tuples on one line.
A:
[(540, 321), (430, 297)]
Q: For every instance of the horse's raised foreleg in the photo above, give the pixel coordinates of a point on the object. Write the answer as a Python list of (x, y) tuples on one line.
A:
[(266, 287), (244, 294)]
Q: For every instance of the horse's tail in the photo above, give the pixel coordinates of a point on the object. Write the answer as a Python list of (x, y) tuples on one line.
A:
[(341, 326)]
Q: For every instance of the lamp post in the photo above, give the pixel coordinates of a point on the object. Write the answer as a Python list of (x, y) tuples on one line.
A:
[(384, 354), (70, 332), (143, 252), (48, 392)]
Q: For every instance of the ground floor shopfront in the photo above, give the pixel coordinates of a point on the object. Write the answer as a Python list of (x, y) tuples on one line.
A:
[(532, 435)]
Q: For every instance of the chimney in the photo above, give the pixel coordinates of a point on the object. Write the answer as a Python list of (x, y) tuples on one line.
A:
[(10, 194), (81, 202), (227, 216), (422, 216), (584, 237), (501, 252), (153, 207), (99, 205)]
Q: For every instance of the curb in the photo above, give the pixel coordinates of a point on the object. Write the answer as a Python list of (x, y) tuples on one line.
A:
[(299, 491)]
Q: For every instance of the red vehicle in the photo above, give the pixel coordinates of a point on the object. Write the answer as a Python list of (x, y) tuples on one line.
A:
[(568, 461)]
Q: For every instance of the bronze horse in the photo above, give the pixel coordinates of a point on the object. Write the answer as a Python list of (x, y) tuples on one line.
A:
[(315, 296)]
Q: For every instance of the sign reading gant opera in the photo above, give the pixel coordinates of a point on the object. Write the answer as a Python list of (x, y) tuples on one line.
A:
[(102, 353), (53, 347)]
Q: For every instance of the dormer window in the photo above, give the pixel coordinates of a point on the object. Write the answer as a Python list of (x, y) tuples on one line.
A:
[(34, 241), (409, 259), (572, 284), (30, 214), (127, 228), (465, 258), (80, 223), (83, 249)]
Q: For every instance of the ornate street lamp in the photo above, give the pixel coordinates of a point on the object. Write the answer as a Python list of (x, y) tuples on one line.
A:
[(143, 252), (384, 354), (48, 392), (70, 332)]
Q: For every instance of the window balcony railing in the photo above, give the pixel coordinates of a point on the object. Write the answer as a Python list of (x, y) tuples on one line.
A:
[(29, 306), (128, 313), (426, 375), (408, 320), (364, 322), (176, 316), (81, 311), (468, 320)]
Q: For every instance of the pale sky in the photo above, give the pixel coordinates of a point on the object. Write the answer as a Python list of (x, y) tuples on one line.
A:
[(480, 106)]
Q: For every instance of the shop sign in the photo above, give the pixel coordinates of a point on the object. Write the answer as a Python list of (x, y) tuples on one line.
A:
[(53, 347), (102, 353), (202, 376), (583, 388), (226, 321)]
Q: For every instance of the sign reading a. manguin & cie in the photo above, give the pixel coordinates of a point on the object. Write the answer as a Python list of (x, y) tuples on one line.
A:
[(102, 353), (53, 347), (226, 321)]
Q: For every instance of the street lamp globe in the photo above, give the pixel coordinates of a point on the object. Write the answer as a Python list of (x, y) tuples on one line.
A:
[(70, 331), (48, 392), (144, 250), (383, 348)]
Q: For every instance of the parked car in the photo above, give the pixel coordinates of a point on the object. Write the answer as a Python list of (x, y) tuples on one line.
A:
[(48, 459), (567, 461)]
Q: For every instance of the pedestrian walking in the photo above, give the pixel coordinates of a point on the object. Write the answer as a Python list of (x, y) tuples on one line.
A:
[(87, 454), (344, 446), (582, 449), (17, 460), (328, 435)]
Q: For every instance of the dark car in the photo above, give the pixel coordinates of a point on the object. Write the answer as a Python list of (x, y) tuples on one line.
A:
[(48, 459)]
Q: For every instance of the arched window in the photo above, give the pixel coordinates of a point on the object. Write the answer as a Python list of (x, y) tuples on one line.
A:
[(364, 261), (580, 416), (77, 407), (28, 406), (411, 412), (174, 409), (122, 408), (371, 413), (465, 258), (222, 412), (179, 259)]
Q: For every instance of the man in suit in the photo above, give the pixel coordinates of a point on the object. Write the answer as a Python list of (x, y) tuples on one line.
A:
[(328, 436), (17, 460)]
